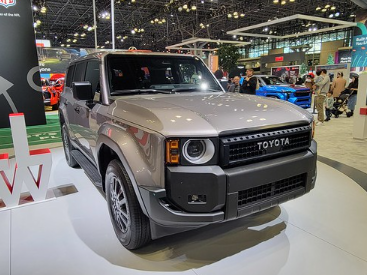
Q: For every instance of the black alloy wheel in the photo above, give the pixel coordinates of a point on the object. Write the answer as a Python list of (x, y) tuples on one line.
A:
[(129, 222), (68, 147)]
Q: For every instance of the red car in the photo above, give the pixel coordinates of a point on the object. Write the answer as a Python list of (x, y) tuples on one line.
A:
[(51, 96)]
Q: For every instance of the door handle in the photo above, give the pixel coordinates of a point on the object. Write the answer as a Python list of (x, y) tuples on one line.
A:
[(77, 109)]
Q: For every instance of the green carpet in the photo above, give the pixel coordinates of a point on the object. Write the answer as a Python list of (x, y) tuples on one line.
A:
[(40, 134)]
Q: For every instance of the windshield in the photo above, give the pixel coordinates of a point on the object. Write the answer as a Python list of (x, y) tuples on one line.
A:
[(128, 73), (272, 80)]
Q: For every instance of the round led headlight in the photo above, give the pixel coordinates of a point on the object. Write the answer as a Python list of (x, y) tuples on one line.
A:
[(198, 151)]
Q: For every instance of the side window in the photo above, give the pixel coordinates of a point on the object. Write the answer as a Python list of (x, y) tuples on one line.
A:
[(69, 76), (92, 75), (188, 73), (79, 72)]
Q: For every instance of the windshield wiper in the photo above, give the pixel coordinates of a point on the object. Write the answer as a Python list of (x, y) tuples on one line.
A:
[(139, 91), (192, 89)]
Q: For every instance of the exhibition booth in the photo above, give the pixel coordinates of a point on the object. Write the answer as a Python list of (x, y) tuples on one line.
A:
[(204, 174)]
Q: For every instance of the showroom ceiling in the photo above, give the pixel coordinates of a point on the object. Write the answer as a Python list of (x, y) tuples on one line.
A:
[(154, 24)]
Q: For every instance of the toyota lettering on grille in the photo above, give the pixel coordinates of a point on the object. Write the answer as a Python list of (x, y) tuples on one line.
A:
[(274, 143)]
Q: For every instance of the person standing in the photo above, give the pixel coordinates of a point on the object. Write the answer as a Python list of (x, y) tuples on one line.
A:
[(338, 85), (219, 73), (235, 87), (249, 84), (309, 81), (321, 88), (352, 100), (329, 103)]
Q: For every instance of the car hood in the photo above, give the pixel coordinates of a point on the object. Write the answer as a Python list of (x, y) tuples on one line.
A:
[(286, 88), (204, 114)]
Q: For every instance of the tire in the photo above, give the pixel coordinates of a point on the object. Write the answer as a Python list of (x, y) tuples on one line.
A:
[(129, 222), (68, 147)]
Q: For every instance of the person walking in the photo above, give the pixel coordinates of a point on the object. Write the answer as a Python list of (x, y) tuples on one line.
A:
[(249, 83), (321, 89), (329, 103), (235, 87), (338, 85)]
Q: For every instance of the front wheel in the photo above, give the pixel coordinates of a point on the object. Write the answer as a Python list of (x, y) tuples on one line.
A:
[(129, 222)]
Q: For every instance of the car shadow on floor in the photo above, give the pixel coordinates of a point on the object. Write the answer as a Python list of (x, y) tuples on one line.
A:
[(217, 241), (192, 249)]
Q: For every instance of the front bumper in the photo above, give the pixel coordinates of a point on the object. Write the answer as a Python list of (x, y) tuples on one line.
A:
[(304, 102), (228, 194)]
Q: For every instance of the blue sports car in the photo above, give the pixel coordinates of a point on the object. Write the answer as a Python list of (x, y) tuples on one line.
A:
[(273, 86)]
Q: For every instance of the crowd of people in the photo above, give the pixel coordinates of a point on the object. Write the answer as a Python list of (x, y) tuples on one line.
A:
[(327, 93)]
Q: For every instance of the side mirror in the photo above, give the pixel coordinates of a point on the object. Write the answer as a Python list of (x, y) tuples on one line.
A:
[(83, 90)]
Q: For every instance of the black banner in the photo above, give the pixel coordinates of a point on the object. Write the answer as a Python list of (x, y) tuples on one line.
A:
[(20, 84)]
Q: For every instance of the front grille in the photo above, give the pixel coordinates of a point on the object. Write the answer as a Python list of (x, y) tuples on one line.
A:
[(251, 148), (303, 99), (303, 93), (280, 187)]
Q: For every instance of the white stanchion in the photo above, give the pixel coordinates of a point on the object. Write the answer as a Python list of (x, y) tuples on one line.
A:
[(10, 191)]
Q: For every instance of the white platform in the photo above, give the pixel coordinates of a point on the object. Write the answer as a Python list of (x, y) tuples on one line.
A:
[(323, 232)]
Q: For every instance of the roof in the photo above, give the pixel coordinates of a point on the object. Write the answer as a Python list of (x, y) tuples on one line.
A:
[(102, 54)]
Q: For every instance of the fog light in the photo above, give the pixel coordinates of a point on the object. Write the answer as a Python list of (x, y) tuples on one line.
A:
[(199, 199)]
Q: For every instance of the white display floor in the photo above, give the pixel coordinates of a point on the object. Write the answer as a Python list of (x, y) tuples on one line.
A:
[(323, 232)]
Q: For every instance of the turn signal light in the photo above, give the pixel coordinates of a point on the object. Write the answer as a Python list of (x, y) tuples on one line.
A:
[(313, 128), (172, 151)]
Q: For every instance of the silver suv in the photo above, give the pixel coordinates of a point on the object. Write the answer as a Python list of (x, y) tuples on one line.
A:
[(172, 151)]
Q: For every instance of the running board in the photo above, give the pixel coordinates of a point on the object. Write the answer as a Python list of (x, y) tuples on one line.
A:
[(89, 169)]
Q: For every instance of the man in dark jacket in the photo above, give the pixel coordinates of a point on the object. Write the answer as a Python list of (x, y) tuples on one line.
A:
[(249, 84)]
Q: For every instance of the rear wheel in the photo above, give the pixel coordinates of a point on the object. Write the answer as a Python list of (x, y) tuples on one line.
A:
[(68, 147), (129, 222)]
